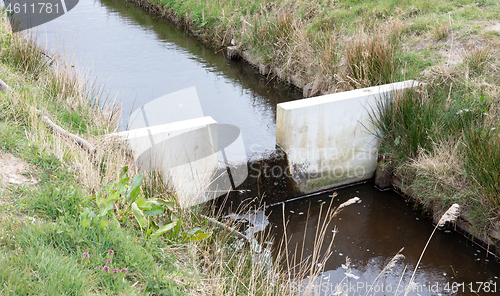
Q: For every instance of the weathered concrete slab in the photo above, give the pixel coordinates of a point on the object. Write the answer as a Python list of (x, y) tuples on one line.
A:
[(185, 152), (174, 115), (329, 139)]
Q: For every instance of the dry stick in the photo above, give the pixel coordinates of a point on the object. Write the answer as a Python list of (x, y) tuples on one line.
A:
[(255, 246), (448, 101), (57, 129), (304, 238), (400, 279), (286, 242), (451, 45), (315, 245), (230, 229)]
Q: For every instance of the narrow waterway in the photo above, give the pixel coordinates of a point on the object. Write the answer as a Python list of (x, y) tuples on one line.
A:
[(370, 233), (141, 58)]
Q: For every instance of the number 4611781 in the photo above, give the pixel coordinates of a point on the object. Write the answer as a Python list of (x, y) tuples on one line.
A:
[(33, 8)]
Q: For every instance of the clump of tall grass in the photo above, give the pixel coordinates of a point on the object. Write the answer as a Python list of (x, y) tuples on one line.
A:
[(441, 32), (371, 57), (482, 150), (308, 268), (22, 52), (405, 122), (293, 50), (476, 60)]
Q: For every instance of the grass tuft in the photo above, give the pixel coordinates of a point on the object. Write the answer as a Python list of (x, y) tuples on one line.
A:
[(476, 60), (441, 32), (370, 58), (482, 149), (406, 123)]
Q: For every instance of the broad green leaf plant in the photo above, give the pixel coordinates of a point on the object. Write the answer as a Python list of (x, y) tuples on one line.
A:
[(122, 200)]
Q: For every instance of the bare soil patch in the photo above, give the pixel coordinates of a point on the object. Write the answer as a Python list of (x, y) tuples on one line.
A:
[(15, 171), (493, 27)]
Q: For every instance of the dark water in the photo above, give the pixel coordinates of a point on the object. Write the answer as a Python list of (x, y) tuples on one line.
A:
[(142, 58), (372, 232)]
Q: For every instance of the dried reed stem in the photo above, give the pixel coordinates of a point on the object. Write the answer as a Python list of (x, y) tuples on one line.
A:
[(450, 215)]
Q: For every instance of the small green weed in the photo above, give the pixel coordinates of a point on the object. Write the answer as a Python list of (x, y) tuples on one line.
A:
[(119, 200)]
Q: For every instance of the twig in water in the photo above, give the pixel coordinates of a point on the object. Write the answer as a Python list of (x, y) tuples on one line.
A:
[(253, 243)]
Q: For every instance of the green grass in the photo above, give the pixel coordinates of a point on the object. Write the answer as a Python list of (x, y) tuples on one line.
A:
[(482, 149), (406, 124), (77, 206), (443, 141), (43, 255), (315, 40)]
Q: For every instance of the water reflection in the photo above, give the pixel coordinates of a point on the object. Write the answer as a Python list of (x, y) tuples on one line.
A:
[(143, 58)]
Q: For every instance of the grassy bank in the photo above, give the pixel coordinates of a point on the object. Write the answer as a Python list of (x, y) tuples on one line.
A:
[(331, 46), (440, 141), (74, 223), (442, 148)]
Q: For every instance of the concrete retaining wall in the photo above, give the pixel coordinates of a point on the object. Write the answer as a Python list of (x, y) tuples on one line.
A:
[(329, 139), (185, 152)]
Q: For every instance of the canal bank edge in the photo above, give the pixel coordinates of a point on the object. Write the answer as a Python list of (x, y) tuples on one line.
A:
[(232, 52), (441, 33), (387, 178)]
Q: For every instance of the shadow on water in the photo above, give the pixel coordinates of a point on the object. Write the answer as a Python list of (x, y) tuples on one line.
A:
[(271, 91), (372, 231)]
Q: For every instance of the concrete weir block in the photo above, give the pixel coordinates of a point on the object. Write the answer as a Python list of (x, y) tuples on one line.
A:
[(329, 139), (185, 152)]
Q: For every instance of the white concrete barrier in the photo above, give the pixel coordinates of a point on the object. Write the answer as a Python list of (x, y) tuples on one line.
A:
[(329, 140), (185, 152), (198, 157)]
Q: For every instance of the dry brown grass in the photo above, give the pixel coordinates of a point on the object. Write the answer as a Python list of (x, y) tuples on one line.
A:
[(370, 57), (444, 164), (40, 86), (313, 59), (441, 32), (230, 269)]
